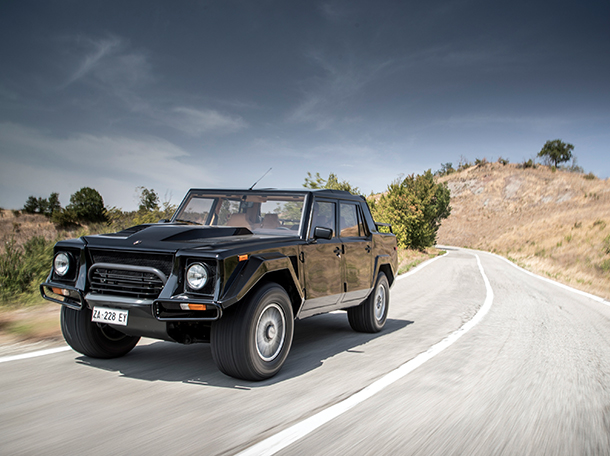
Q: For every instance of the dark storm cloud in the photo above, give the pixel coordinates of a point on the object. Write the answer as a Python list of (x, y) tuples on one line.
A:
[(177, 94)]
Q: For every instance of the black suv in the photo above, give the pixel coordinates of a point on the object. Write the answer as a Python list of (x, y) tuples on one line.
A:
[(233, 268)]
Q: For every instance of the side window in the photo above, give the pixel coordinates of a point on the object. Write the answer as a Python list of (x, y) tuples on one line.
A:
[(350, 222), (323, 215)]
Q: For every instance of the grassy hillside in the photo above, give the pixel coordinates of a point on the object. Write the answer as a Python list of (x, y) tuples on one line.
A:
[(556, 224)]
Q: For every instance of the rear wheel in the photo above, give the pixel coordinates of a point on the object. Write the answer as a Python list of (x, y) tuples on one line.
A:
[(252, 340), (93, 339), (371, 315)]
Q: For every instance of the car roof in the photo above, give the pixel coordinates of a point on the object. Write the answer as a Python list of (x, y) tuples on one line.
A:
[(319, 192)]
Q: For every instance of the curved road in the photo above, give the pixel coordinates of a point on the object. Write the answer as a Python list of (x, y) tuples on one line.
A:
[(529, 375)]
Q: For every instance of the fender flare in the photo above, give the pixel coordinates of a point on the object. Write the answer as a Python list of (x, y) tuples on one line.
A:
[(258, 267), (383, 262)]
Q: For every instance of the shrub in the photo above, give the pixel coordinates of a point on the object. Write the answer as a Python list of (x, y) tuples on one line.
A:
[(446, 169), (503, 161), (528, 164), (23, 269), (414, 207), (464, 164), (590, 176)]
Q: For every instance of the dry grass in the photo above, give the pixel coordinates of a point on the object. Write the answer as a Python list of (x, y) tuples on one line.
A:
[(35, 323), (408, 259), (24, 226), (556, 224)]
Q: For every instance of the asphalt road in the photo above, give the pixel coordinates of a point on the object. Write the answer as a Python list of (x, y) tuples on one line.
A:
[(531, 377)]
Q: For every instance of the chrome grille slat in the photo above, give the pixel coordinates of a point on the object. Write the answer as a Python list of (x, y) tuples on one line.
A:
[(126, 280)]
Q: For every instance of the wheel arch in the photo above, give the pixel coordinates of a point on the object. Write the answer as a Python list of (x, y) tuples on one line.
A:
[(264, 269)]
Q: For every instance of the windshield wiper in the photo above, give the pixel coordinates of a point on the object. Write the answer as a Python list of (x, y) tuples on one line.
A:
[(190, 222)]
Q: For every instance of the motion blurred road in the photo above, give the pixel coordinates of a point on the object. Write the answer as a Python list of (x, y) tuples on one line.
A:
[(531, 378)]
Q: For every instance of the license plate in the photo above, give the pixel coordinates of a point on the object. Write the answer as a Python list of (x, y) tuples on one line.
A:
[(111, 316)]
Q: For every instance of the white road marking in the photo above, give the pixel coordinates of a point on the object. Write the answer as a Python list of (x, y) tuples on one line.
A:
[(49, 351), (561, 285), (296, 432), (419, 267)]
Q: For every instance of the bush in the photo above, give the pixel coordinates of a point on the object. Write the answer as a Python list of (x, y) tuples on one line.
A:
[(464, 164), (23, 269), (446, 169), (503, 161), (414, 207), (528, 164)]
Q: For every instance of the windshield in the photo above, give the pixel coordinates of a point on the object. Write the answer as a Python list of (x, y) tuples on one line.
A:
[(278, 215)]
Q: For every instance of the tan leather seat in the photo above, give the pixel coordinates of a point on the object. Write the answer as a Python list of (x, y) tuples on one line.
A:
[(238, 220), (271, 221)]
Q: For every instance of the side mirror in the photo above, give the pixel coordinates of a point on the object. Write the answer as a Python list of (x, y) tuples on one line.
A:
[(319, 232)]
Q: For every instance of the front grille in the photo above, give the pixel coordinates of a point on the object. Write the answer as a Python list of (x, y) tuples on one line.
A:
[(160, 261), (134, 274), (112, 279)]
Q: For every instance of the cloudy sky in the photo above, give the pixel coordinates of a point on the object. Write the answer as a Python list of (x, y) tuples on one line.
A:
[(172, 95)]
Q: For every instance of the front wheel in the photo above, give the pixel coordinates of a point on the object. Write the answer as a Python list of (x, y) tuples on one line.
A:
[(252, 340), (370, 316), (93, 339)]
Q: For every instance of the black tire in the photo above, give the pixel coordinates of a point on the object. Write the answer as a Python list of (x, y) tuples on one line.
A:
[(252, 339), (93, 339), (370, 316)]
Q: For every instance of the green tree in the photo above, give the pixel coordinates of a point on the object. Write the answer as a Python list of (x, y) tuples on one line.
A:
[(32, 205), (415, 208), (41, 205), (53, 204), (87, 205), (150, 210), (556, 151), (149, 200), (332, 183)]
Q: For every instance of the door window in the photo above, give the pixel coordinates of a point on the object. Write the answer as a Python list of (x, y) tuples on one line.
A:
[(323, 215), (350, 221)]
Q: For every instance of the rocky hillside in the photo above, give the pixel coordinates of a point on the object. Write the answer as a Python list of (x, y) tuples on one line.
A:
[(554, 223)]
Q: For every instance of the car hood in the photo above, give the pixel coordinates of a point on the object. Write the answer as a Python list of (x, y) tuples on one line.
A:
[(173, 237)]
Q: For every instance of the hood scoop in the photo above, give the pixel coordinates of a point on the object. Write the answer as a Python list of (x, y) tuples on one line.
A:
[(128, 232), (199, 234)]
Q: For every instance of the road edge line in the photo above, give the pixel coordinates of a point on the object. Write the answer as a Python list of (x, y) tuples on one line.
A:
[(34, 354), (288, 436), (420, 266), (533, 274)]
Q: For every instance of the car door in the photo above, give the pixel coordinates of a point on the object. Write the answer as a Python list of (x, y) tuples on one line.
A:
[(322, 262), (357, 252)]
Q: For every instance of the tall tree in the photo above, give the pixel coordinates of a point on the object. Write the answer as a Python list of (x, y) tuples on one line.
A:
[(556, 151), (149, 200), (87, 205)]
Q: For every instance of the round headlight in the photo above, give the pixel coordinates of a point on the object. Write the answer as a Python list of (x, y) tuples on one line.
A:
[(61, 264), (197, 276)]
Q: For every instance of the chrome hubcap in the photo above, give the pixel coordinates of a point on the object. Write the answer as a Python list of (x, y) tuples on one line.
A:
[(270, 332), (380, 303)]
